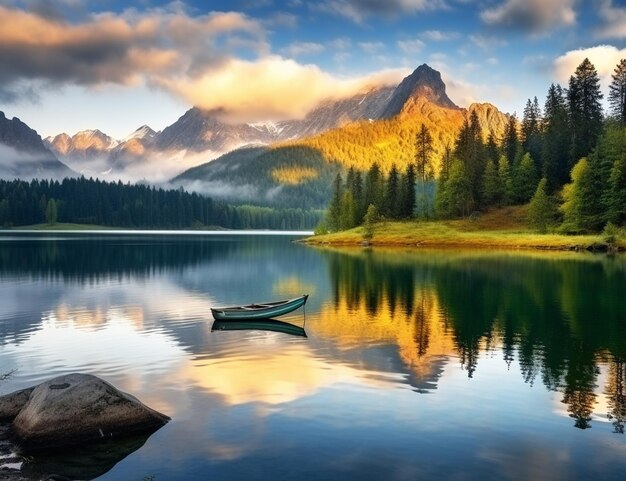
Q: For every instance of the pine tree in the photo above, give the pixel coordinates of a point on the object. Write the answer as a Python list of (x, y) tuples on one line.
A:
[(424, 163), (492, 152), (556, 138), (580, 200), (541, 211), (617, 92), (446, 162), (391, 206), (492, 192), (585, 110), (470, 151), (506, 182), (407, 193), (455, 199), (374, 187), (511, 140), (369, 222), (347, 212), (423, 154), (531, 131), (524, 179), (359, 199), (617, 192), (334, 209), (51, 212)]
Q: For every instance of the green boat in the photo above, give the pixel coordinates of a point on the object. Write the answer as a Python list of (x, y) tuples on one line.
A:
[(263, 310), (260, 325)]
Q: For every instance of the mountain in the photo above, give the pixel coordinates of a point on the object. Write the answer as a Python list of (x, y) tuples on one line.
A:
[(23, 153), (85, 145), (290, 171), (424, 83), (199, 136), (367, 104), (201, 130), (288, 177)]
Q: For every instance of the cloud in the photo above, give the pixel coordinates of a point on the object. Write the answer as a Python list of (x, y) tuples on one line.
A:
[(531, 16), (603, 57), (197, 59), (487, 42), (371, 48), (341, 43), (359, 10), (438, 35), (118, 48), (411, 46), (613, 21), (270, 88), (298, 49)]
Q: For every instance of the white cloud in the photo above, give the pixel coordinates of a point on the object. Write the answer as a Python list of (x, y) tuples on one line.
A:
[(342, 43), (371, 48), (411, 46), (298, 49), (532, 16), (438, 35), (359, 10), (603, 57), (613, 21), (487, 42)]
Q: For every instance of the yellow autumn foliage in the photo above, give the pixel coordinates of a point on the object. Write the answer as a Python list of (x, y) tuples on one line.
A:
[(392, 141), (293, 175)]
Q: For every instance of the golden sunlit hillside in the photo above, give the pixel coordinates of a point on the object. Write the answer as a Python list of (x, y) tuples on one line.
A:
[(392, 141)]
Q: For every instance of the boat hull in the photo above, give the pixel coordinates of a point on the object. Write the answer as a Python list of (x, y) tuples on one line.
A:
[(258, 311)]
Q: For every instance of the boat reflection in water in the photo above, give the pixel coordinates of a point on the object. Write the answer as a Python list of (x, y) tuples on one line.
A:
[(272, 325)]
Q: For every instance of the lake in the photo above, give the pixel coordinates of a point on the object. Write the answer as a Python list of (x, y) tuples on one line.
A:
[(421, 365)]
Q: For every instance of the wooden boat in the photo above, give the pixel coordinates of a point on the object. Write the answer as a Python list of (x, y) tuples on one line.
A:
[(264, 310), (259, 325)]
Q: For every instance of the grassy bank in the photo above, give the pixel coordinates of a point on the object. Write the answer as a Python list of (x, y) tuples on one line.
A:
[(503, 229)]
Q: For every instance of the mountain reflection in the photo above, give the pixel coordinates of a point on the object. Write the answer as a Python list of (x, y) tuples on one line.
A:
[(376, 319), (561, 316)]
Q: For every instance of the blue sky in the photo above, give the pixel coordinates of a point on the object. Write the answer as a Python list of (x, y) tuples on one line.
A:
[(72, 64)]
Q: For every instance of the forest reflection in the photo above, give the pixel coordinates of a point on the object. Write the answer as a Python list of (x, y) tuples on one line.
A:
[(561, 317)]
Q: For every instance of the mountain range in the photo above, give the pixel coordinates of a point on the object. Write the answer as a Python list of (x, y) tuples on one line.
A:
[(23, 153), (272, 162)]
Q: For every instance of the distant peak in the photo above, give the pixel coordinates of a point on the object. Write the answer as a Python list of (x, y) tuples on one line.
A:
[(143, 132), (424, 82)]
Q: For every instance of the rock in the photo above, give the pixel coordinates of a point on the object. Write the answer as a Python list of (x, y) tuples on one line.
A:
[(12, 404), (75, 409)]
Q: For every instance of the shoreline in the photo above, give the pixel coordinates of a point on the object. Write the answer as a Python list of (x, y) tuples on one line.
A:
[(446, 235)]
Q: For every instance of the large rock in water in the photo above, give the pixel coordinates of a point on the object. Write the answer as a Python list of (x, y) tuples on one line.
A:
[(79, 408)]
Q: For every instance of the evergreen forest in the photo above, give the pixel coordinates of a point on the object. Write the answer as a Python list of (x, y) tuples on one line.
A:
[(95, 202), (567, 161)]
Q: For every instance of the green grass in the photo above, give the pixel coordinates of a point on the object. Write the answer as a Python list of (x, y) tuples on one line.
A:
[(502, 229)]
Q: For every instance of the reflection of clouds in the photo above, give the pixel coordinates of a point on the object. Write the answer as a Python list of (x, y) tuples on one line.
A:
[(109, 349), (266, 372)]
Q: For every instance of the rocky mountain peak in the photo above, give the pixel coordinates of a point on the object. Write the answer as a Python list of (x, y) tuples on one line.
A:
[(424, 82), (16, 134), (143, 132)]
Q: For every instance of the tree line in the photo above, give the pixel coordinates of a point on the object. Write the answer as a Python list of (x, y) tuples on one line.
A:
[(89, 201), (567, 160), (392, 196)]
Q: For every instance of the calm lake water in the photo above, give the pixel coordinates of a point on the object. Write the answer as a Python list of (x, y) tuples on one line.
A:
[(421, 365)]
